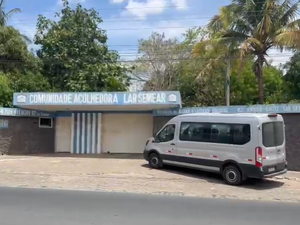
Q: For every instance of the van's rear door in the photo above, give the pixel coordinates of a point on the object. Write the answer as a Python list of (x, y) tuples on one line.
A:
[(273, 140)]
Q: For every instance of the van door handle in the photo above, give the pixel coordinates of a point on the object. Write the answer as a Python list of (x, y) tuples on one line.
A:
[(172, 143)]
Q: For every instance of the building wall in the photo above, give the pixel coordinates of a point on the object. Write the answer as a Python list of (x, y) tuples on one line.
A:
[(159, 122), (292, 129), (23, 136)]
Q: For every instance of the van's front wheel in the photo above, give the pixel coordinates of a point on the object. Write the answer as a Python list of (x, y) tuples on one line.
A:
[(232, 175), (155, 161)]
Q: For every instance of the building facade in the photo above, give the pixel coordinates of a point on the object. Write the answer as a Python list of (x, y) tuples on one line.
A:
[(121, 122)]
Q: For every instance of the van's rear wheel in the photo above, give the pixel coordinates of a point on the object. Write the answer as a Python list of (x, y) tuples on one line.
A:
[(232, 175), (155, 161)]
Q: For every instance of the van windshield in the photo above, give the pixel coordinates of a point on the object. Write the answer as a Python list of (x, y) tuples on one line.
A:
[(272, 134)]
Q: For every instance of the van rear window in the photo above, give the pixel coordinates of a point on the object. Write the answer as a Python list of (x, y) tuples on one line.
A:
[(272, 134)]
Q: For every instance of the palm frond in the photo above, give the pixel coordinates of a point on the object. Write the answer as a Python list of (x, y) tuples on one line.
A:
[(290, 11), (265, 24), (11, 12), (209, 66), (215, 24), (289, 35)]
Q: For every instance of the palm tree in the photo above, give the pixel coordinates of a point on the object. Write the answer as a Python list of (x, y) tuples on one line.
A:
[(258, 26), (4, 16)]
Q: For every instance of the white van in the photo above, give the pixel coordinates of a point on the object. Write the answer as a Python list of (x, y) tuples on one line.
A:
[(239, 146)]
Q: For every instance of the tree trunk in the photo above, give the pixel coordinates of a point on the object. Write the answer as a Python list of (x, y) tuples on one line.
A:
[(260, 79)]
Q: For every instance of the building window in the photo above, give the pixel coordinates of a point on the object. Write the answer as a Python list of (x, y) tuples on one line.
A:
[(222, 133), (45, 122), (167, 134)]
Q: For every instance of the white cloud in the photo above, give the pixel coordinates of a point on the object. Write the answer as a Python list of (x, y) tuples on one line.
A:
[(180, 4), (117, 1), (143, 9), (150, 7)]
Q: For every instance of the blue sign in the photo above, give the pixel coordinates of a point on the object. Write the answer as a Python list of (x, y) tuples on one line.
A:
[(278, 108), (99, 98), (3, 123), (23, 113)]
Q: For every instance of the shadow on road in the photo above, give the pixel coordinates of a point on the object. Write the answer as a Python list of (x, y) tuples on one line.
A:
[(254, 184)]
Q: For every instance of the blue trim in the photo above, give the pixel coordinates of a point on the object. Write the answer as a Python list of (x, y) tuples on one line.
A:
[(18, 112), (98, 98), (276, 108), (69, 113)]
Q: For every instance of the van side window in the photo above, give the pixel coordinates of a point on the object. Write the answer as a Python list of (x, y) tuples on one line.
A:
[(167, 134), (223, 133), (195, 132)]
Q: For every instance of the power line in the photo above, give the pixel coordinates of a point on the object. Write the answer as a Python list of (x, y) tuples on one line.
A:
[(141, 60), (147, 20), (137, 20), (141, 8)]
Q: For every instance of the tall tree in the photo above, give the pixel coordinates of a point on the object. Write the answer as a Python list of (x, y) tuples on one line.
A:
[(156, 66), (19, 68), (4, 17), (258, 26), (292, 76), (75, 54)]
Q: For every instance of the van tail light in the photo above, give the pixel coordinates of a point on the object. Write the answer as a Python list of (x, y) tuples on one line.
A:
[(258, 157)]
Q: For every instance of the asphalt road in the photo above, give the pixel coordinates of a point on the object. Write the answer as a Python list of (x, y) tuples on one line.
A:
[(48, 207)]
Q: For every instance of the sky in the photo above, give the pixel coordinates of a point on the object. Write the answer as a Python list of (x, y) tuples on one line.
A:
[(127, 21)]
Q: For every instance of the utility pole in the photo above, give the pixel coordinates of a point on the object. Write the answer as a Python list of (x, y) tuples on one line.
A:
[(227, 91)]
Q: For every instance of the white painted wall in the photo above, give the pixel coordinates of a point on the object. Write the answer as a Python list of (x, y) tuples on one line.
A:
[(125, 133), (63, 134)]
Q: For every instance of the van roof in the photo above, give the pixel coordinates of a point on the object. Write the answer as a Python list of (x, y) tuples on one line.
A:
[(241, 115)]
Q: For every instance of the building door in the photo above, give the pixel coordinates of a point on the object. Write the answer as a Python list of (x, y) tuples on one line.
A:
[(126, 133), (63, 134)]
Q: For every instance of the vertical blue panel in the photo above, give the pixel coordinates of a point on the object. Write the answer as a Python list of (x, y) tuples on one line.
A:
[(91, 133), (75, 133), (85, 133), (80, 133), (86, 150), (96, 131)]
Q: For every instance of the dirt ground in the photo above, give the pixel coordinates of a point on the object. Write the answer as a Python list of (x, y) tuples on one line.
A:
[(134, 175)]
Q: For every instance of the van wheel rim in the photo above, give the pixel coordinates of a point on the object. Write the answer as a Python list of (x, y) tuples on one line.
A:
[(154, 161), (231, 176)]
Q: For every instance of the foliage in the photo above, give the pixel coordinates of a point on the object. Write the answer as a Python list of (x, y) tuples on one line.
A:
[(244, 86), (156, 66), (75, 54), (6, 92), (4, 17), (292, 76), (19, 68), (258, 26)]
